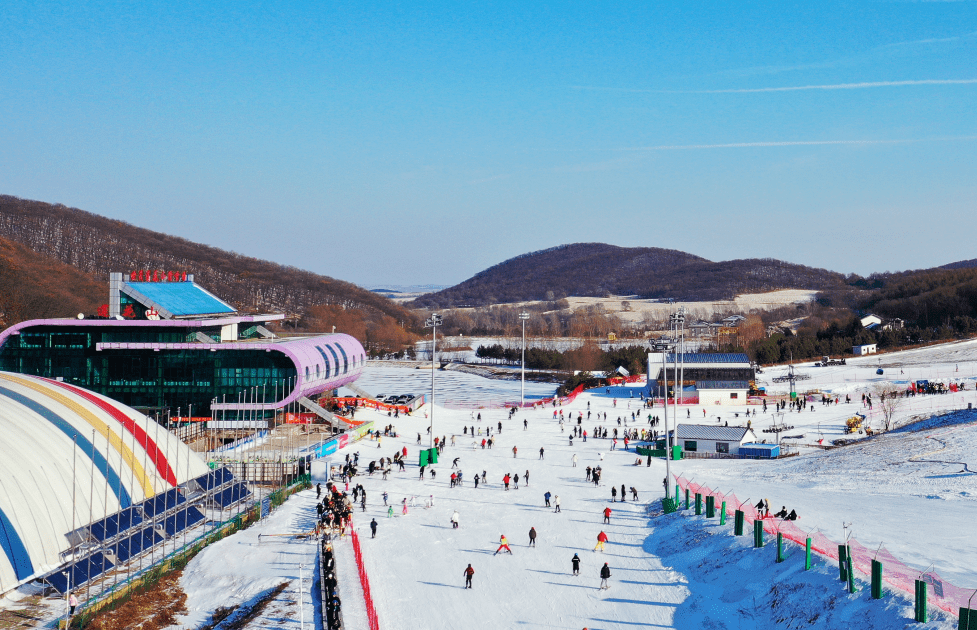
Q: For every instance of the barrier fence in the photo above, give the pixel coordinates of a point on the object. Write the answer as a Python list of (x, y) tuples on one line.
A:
[(943, 594), (371, 611), (542, 402)]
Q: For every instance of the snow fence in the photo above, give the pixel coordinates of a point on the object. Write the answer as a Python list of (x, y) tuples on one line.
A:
[(943, 594)]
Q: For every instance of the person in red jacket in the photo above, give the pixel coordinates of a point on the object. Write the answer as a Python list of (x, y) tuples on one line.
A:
[(469, 572), (503, 544), (404, 452), (607, 515), (601, 540), (506, 480)]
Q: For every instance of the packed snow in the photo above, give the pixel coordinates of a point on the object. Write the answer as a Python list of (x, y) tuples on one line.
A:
[(913, 490)]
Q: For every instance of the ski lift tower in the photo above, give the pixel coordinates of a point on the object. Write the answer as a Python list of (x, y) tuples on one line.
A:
[(792, 378), (779, 426)]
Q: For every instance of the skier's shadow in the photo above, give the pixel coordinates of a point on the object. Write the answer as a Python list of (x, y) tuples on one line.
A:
[(441, 584)]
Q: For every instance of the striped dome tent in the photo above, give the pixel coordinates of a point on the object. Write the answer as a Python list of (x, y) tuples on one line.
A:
[(69, 458)]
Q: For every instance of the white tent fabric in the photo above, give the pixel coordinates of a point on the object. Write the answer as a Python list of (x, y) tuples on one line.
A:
[(69, 457)]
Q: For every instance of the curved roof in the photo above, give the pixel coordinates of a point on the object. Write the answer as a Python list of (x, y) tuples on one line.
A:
[(70, 457)]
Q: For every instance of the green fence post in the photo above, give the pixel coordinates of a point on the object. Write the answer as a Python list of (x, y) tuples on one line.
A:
[(757, 534), (686, 498), (738, 523), (876, 579), (722, 514), (678, 494), (780, 547), (851, 573), (842, 563), (710, 506), (968, 619), (698, 504), (920, 601)]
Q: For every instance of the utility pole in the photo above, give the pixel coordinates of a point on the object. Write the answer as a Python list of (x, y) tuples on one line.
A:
[(433, 322)]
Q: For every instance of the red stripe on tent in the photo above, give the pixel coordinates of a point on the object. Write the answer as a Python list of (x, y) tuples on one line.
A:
[(155, 454)]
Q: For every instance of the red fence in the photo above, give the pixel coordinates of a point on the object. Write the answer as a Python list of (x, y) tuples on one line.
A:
[(943, 595), (371, 611)]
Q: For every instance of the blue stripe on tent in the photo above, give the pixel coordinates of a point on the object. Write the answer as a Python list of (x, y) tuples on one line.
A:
[(84, 444), (326, 359), (14, 548)]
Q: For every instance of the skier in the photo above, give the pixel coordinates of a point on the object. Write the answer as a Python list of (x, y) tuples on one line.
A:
[(634, 494), (575, 561), (384, 498), (318, 491), (624, 493), (574, 460), (605, 573), (373, 528), (503, 544), (515, 480), (546, 497), (607, 515), (541, 452), (601, 540), (454, 520), (505, 480), (515, 451), (469, 572), (556, 502), (613, 493), (532, 536)]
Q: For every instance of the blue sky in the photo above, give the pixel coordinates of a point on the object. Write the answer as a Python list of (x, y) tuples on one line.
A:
[(409, 143)]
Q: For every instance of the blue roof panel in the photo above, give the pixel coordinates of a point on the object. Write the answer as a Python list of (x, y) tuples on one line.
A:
[(182, 298), (722, 385), (717, 357)]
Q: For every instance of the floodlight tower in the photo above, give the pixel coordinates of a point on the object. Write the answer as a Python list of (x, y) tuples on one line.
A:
[(522, 393), (663, 346), (677, 321), (433, 322)]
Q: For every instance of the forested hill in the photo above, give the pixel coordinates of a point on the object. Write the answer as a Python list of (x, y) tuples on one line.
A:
[(97, 245), (598, 269), (34, 286), (961, 264)]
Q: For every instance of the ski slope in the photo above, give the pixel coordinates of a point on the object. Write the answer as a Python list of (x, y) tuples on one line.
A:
[(911, 490)]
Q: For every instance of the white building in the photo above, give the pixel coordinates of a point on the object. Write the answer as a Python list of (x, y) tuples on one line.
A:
[(869, 348), (870, 319), (697, 438), (722, 392)]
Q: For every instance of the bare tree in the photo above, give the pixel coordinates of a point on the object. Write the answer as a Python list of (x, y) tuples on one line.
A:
[(889, 402)]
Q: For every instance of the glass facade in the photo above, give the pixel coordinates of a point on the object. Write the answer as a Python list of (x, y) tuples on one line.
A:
[(148, 379)]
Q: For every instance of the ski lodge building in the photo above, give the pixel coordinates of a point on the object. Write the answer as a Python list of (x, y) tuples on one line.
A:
[(723, 377), (697, 438), (165, 344)]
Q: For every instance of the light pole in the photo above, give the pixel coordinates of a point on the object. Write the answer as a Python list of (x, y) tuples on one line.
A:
[(663, 347), (677, 320), (522, 395), (433, 322)]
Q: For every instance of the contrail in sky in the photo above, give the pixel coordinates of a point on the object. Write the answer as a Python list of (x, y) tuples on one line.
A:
[(838, 86), (791, 88), (788, 143)]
